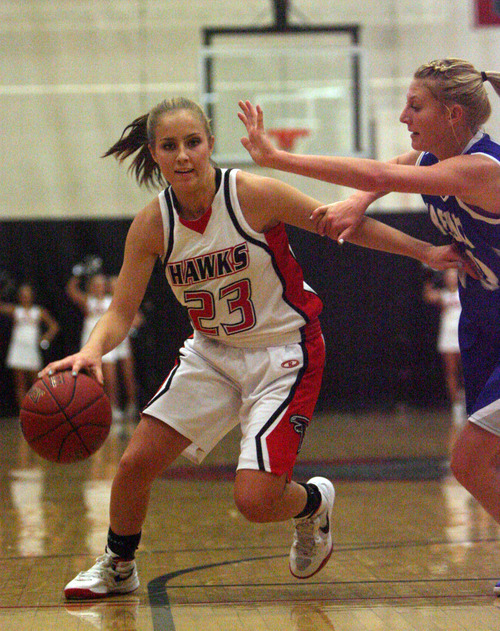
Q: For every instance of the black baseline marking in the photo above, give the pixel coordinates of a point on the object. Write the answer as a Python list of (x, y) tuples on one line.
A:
[(158, 597)]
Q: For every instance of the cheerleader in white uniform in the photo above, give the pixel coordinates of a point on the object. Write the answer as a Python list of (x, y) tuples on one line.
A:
[(94, 303), (24, 356), (448, 301)]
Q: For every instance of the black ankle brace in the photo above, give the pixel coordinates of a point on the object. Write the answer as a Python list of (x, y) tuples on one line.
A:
[(313, 501), (123, 545)]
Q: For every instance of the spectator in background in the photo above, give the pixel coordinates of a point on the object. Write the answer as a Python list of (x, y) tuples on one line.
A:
[(24, 356), (94, 302), (448, 301)]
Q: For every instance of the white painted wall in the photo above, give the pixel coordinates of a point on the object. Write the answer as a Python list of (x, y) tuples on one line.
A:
[(73, 73)]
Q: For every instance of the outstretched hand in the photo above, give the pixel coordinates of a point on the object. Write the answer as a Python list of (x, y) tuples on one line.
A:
[(258, 144)]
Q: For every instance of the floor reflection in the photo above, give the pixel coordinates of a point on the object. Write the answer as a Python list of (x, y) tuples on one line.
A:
[(107, 616), (49, 508), (408, 552), (467, 521), (307, 617)]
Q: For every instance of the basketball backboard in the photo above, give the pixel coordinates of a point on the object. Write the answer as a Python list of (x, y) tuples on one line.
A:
[(309, 82)]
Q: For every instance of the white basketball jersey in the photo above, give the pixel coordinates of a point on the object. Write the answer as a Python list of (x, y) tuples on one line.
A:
[(239, 286)]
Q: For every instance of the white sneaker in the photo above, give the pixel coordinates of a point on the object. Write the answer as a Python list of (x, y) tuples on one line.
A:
[(108, 576), (312, 541)]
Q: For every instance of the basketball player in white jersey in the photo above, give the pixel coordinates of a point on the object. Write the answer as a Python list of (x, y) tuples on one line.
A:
[(256, 355)]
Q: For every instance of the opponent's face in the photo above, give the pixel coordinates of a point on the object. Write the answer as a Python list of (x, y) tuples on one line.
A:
[(182, 149), (427, 119)]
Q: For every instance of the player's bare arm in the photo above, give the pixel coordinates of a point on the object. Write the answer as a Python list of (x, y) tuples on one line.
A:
[(379, 236), (267, 201), (339, 219), (143, 245), (472, 178), (362, 174)]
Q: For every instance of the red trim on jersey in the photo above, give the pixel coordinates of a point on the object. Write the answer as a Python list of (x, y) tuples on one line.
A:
[(291, 273), (286, 438), (198, 225)]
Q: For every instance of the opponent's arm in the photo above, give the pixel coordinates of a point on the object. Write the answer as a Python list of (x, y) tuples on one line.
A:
[(473, 178), (339, 219), (379, 236), (266, 201)]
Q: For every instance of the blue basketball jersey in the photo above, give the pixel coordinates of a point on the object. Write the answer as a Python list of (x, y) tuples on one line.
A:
[(477, 234)]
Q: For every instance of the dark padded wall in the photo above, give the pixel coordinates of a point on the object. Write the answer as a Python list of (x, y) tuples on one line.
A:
[(380, 335)]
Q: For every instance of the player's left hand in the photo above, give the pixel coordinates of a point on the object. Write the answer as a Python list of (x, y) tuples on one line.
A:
[(258, 144)]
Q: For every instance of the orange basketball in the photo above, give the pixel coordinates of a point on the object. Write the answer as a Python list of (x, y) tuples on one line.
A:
[(65, 418)]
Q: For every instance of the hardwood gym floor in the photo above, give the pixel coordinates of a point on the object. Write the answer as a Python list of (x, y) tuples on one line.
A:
[(413, 551)]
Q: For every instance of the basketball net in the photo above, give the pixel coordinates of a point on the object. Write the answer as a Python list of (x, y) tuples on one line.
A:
[(287, 136)]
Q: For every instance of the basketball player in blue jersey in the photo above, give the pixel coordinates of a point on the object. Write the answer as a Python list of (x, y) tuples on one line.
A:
[(256, 355), (455, 166)]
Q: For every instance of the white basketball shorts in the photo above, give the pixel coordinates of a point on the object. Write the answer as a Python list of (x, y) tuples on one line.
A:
[(271, 392)]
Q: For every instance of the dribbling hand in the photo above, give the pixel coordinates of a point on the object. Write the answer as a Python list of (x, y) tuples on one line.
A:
[(84, 360)]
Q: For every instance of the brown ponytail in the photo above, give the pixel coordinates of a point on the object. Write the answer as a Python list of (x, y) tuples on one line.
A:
[(140, 134), (134, 139)]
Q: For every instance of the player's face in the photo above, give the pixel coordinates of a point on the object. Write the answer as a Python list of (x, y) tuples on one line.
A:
[(427, 120), (182, 150)]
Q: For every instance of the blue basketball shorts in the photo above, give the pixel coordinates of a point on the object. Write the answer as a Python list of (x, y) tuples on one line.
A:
[(480, 350)]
